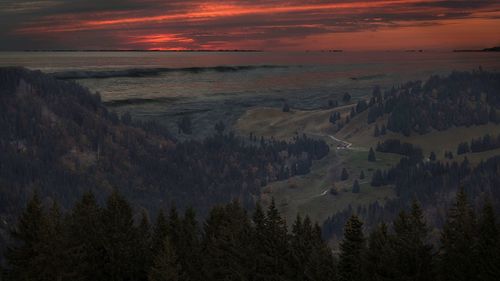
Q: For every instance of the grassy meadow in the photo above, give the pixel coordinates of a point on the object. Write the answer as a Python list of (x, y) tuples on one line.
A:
[(311, 194)]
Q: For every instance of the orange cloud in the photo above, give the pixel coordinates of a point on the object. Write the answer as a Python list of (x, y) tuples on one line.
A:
[(161, 38), (264, 24), (215, 10)]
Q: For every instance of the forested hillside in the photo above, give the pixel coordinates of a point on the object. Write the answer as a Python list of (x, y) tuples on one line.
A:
[(439, 103), (432, 183), (90, 175), (460, 99), (57, 138)]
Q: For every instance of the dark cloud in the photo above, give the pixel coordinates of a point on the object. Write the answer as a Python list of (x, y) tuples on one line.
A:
[(59, 24), (458, 4)]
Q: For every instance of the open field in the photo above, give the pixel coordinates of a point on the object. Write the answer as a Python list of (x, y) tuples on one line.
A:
[(273, 122), (360, 133), (310, 194)]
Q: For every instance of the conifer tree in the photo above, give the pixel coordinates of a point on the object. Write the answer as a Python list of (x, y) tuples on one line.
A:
[(346, 97), (226, 244), (355, 187), (119, 239), (258, 218), (456, 256), (53, 248), (275, 242), (85, 244), (286, 107), (49, 254), (383, 130), (220, 127), (376, 131), (144, 247), (377, 178), (352, 251), (411, 250), (432, 156), (311, 258), (344, 175), (371, 155), (320, 265), (189, 246), (160, 232), (24, 258), (174, 233), (379, 261), (259, 252), (165, 264), (488, 245), (174, 226), (300, 246), (362, 175)]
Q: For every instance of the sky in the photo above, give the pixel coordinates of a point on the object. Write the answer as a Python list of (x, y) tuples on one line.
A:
[(249, 24)]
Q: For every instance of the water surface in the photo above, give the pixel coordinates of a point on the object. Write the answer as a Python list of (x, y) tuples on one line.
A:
[(212, 86)]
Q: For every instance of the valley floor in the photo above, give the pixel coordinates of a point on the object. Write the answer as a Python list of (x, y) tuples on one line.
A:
[(311, 194)]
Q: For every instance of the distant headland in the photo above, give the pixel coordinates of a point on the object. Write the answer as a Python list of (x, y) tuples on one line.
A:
[(493, 49), (325, 51)]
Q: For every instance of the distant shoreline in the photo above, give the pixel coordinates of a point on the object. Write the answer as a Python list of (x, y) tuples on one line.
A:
[(146, 51), (493, 49)]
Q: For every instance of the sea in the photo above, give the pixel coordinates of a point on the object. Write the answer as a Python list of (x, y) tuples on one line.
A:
[(219, 86)]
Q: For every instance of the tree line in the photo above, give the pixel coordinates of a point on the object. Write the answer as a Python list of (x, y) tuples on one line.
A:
[(485, 143), (468, 247), (336, 118), (407, 149), (109, 242)]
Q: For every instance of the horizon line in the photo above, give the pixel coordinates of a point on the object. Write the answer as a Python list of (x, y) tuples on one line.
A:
[(256, 50)]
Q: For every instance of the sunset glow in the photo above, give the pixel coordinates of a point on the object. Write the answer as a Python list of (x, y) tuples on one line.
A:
[(267, 25)]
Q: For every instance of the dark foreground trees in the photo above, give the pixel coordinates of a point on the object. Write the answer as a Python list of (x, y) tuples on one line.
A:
[(93, 242), (469, 248), (352, 249)]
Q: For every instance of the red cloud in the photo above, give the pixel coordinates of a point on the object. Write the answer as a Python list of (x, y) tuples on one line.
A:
[(198, 24)]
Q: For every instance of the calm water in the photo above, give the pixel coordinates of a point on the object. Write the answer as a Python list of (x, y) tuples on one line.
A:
[(306, 80)]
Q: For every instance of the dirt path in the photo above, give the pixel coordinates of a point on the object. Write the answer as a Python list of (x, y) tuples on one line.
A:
[(345, 144), (324, 193)]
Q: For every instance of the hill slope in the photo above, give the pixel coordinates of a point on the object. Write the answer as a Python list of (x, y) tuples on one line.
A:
[(57, 138), (434, 117)]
